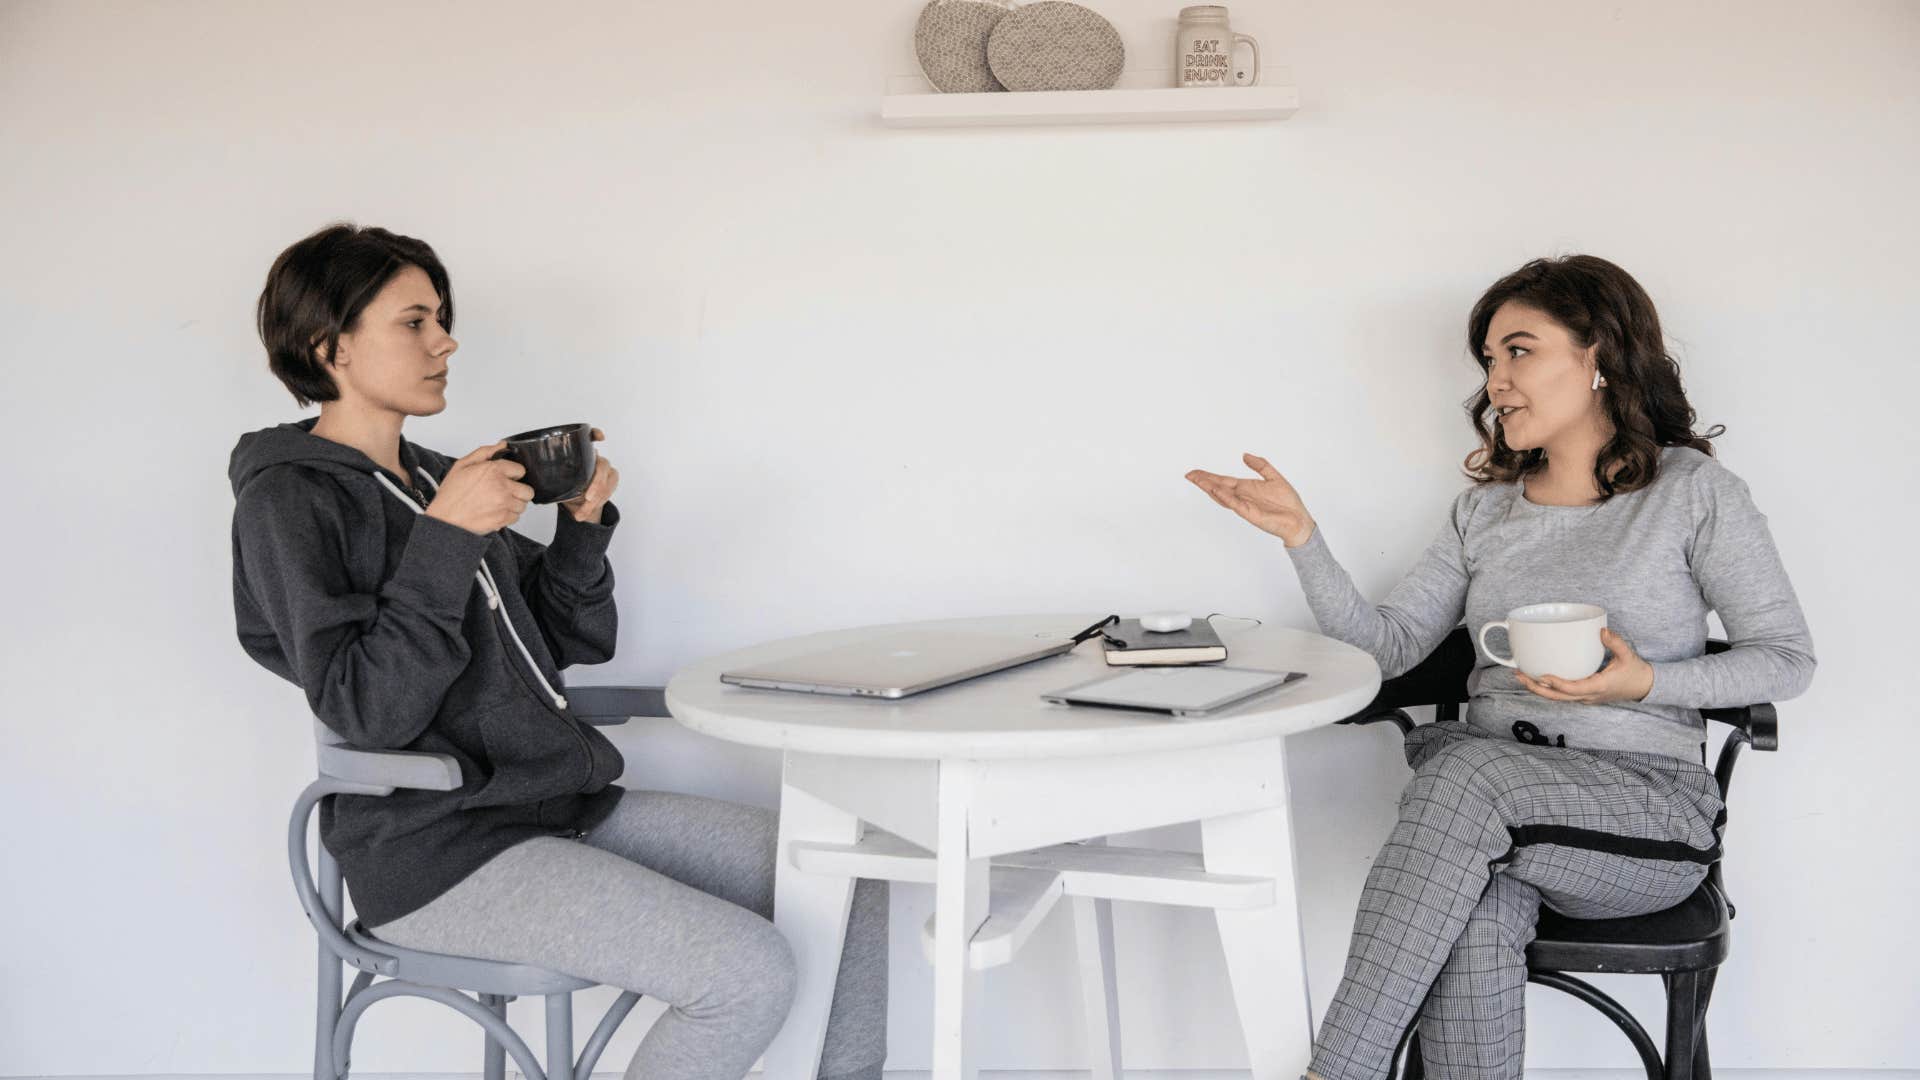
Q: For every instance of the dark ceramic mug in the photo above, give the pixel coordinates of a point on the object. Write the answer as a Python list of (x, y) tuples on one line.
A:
[(559, 460)]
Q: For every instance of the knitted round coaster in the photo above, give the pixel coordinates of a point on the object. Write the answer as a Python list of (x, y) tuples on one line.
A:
[(951, 40), (1055, 45)]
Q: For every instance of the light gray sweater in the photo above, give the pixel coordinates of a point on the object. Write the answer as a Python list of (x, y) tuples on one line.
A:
[(1658, 559)]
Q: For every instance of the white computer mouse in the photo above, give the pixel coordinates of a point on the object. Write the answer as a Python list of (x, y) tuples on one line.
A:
[(1165, 622)]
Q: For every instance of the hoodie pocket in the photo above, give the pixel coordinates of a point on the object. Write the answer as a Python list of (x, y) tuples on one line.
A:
[(530, 755)]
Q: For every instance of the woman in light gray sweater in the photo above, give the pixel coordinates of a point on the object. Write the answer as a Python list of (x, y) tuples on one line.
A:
[(1590, 795)]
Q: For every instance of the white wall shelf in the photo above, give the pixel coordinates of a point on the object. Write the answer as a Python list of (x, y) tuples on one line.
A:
[(1089, 107), (909, 102)]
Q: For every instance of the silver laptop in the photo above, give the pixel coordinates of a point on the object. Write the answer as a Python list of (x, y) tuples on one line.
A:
[(899, 665)]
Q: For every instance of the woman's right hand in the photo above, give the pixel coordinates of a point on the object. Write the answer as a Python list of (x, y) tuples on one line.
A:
[(1269, 503), (480, 494)]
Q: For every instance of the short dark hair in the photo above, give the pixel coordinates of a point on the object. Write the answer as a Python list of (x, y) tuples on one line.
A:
[(316, 291), (1601, 305)]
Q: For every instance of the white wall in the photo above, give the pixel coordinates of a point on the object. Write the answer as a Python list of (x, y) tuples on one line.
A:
[(854, 375)]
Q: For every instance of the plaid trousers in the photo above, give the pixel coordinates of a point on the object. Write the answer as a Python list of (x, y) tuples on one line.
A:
[(1489, 829)]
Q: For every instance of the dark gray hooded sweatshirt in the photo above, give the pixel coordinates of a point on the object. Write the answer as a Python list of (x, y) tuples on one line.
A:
[(387, 619)]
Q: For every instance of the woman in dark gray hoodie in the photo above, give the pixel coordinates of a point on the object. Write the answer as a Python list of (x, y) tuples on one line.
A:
[(384, 580)]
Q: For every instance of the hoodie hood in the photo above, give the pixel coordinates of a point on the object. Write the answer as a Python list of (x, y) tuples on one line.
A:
[(295, 444)]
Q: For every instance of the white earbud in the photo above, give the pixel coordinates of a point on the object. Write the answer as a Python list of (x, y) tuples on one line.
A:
[(1165, 622), (1598, 379)]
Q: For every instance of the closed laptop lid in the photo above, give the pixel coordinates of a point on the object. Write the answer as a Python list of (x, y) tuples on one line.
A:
[(903, 663)]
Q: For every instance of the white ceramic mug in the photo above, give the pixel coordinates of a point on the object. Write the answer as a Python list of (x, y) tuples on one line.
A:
[(1204, 48), (1552, 639)]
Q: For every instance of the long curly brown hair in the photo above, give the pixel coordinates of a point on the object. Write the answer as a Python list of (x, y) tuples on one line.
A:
[(1599, 304)]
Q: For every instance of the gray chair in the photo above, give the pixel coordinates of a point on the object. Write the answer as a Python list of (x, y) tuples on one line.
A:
[(477, 989)]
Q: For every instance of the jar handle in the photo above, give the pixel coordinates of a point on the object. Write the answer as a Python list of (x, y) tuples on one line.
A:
[(1242, 39)]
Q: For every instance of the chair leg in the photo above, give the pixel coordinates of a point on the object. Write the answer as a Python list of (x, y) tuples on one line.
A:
[(1416, 1065), (496, 1059), (327, 1014), (331, 970), (1683, 1012), (1702, 1068), (1642, 1042), (559, 1037)]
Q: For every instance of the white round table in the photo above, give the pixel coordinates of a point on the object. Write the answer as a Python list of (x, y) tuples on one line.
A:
[(1001, 715), (990, 794)]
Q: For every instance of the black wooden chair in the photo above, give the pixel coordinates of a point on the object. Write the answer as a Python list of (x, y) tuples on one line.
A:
[(1684, 944)]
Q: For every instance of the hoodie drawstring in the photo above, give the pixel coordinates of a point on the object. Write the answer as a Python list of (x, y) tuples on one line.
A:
[(487, 585)]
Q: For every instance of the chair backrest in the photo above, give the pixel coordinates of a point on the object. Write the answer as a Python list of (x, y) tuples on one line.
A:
[(344, 770), (319, 889), (1440, 680)]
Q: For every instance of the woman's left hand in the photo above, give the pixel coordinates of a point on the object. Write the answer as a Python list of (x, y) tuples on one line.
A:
[(605, 479), (1625, 678)]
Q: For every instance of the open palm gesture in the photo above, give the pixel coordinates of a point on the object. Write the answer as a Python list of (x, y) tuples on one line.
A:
[(1269, 503)]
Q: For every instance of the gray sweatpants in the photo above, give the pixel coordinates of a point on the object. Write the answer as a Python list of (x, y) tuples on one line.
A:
[(669, 897), (1489, 829)]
